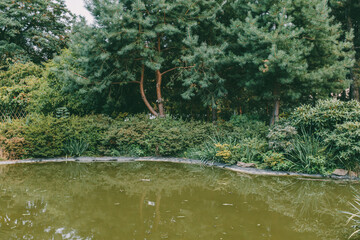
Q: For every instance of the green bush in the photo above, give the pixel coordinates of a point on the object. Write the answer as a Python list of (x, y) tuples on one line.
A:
[(160, 137), (325, 115), (230, 150), (280, 137), (40, 136), (44, 136), (248, 127), (345, 142), (277, 161), (331, 126)]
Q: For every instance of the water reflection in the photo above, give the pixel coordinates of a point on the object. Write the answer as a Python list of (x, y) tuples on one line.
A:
[(165, 201)]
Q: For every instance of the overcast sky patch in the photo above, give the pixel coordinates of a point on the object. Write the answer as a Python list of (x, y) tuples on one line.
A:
[(78, 7)]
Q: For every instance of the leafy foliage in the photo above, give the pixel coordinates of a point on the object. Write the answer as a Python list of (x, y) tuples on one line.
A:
[(345, 141), (325, 115), (280, 137), (318, 138), (45, 136), (18, 84), (242, 142), (277, 161), (162, 137), (290, 50), (32, 30)]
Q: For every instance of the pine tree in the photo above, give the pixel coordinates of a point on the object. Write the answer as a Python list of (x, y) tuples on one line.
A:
[(347, 12), (206, 52), (133, 42), (290, 50)]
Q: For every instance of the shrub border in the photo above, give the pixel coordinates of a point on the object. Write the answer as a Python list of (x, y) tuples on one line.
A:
[(234, 168)]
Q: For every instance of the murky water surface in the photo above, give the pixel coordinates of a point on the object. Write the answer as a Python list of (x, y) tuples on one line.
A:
[(166, 201)]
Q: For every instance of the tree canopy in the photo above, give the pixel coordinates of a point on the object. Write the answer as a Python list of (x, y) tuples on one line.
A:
[(200, 59), (32, 30)]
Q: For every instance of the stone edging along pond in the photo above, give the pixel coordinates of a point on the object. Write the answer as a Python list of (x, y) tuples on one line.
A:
[(251, 171)]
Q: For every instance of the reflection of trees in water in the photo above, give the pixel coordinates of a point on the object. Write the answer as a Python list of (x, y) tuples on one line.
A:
[(4, 169), (90, 190)]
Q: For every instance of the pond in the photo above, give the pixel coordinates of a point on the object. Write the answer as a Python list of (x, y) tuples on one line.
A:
[(144, 200)]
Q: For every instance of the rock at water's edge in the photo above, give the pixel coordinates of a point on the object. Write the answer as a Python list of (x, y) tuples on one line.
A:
[(340, 172), (246, 165)]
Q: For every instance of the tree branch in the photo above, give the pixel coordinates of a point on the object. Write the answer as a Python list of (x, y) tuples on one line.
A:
[(172, 69)]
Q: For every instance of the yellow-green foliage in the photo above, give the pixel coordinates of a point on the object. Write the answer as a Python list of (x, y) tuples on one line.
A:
[(18, 83), (224, 151), (277, 161), (44, 136)]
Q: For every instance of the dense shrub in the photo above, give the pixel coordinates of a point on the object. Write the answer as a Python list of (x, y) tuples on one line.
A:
[(345, 142), (229, 150), (161, 137), (325, 115), (18, 83), (280, 137), (319, 138), (241, 139), (249, 127), (48, 136), (44, 136), (277, 161)]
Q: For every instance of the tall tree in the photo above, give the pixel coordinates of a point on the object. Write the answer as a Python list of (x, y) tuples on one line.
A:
[(347, 12), (32, 30), (134, 42), (205, 51), (290, 50)]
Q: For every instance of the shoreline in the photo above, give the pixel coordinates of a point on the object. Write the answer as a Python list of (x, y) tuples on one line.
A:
[(234, 168)]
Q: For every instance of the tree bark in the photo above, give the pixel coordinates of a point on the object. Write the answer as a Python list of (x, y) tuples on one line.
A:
[(142, 92), (159, 101), (214, 115), (275, 113), (354, 88)]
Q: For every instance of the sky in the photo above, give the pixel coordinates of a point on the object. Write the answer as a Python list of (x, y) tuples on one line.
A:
[(77, 7)]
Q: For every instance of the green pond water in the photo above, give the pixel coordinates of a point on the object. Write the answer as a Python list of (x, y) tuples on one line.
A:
[(166, 201)]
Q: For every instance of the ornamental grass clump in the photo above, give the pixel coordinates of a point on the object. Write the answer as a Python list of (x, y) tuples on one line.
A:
[(75, 147), (309, 154), (354, 217)]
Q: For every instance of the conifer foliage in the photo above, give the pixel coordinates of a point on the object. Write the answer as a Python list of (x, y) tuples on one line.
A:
[(135, 42), (291, 50), (278, 52)]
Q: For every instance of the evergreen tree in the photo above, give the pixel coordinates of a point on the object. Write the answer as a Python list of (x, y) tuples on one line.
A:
[(133, 42), (290, 50), (347, 12), (206, 51), (32, 30)]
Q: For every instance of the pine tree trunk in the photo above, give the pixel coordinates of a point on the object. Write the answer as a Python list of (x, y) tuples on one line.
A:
[(142, 92), (158, 93), (275, 113), (214, 115), (354, 88), (159, 101)]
